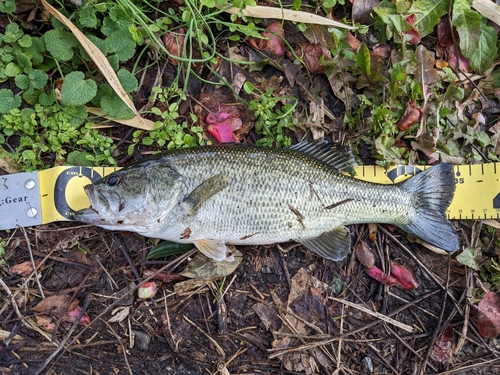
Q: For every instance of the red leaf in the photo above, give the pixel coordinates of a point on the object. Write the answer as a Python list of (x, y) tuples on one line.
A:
[(404, 276), (174, 42), (222, 132), (488, 316), (274, 40), (412, 114), (415, 35), (442, 349), (381, 277)]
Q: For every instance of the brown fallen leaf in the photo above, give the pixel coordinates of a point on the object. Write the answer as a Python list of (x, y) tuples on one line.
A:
[(442, 349), (311, 55), (412, 115), (488, 316), (24, 268), (365, 255), (272, 40)]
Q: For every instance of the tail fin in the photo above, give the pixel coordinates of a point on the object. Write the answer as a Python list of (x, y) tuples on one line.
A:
[(432, 192)]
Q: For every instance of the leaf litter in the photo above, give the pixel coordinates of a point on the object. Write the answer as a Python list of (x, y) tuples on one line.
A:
[(289, 311)]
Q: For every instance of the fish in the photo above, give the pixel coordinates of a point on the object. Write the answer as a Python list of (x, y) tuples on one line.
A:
[(217, 197)]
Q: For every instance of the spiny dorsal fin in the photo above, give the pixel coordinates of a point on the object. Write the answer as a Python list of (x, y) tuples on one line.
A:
[(339, 158)]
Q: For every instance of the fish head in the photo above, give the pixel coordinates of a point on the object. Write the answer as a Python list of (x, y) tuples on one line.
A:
[(136, 198)]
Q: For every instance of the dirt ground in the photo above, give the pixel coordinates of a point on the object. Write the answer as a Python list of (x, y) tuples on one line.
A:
[(283, 311)]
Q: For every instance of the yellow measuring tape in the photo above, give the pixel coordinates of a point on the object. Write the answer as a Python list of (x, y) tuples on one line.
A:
[(477, 195)]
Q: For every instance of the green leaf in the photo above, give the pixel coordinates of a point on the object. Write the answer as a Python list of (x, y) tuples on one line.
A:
[(38, 78), (36, 50), (60, 44), (428, 13), (121, 43), (477, 40), (363, 60), (9, 6), (8, 101), (87, 17), (25, 41), (22, 81), (76, 90), (468, 258), (115, 107), (167, 248), (79, 158), (12, 70), (12, 33), (46, 99), (128, 80)]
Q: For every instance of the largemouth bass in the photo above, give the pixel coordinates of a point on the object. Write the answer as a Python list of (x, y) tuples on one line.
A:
[(213, 196)]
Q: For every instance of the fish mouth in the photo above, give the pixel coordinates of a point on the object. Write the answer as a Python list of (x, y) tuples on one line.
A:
[(103, 204)]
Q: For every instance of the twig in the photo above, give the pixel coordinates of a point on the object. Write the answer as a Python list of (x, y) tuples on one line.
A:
[(65, 340), (280, 352), (124, 350), (378, 315), (219, 348), (35, 268), (423, 366)]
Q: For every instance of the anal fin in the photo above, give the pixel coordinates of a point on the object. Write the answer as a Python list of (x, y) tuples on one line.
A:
[(215, 249), (334, 245)]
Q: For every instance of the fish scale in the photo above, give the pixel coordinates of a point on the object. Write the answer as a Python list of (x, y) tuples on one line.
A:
[(247, 195)]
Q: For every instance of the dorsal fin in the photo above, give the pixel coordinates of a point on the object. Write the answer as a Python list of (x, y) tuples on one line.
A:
[(339, 158)]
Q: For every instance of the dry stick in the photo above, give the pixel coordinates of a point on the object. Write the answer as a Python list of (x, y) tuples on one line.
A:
[(121, 245), (124, 350), (377, 315), (219, 348), (279, 352), (35, 268), (110, 307), (63, 342), (434, 278), (19, 315), (396, 335), (473, 366), (292, 327), (438, 328)]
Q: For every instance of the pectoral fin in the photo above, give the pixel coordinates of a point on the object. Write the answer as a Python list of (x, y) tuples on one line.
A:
[(334, 245), (205, 191), (215, 249)]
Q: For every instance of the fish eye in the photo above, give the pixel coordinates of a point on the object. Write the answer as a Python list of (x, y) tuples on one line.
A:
[(113, 180)]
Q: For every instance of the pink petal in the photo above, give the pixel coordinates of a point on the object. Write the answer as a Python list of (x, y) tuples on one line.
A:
[(222, 132), (380, 276)]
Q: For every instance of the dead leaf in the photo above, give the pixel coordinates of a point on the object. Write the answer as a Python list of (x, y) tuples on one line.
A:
[(442, 349), (272, 40), (311, 55), (24, 268), (488, 316), (267, 315), (365, 255), (202, 267), (362, 9), (119, 314), (101, 62), (259, 11), (174, 43), (412, 115)]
